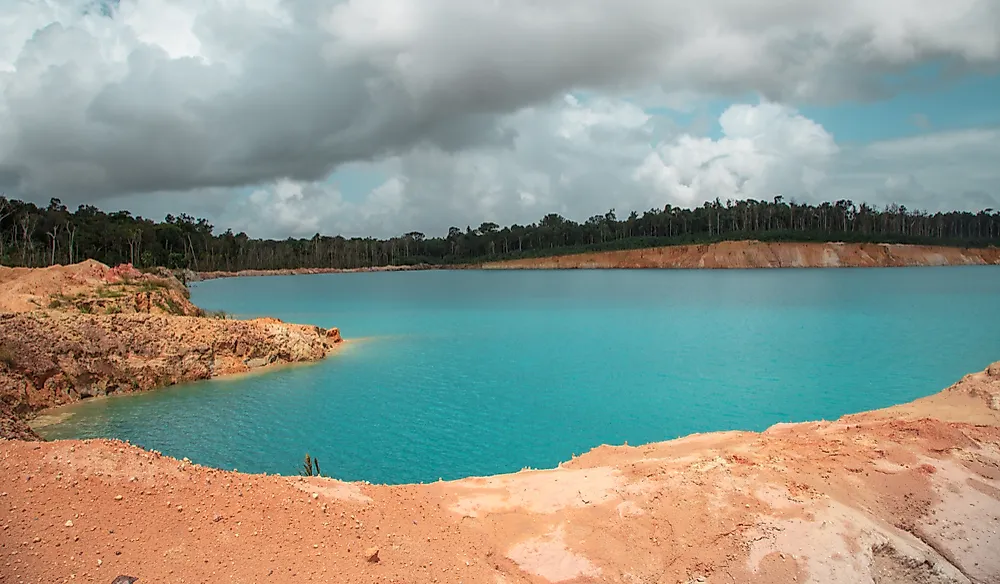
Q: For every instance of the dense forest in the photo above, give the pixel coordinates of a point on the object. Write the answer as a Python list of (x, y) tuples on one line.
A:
[(40, 236)]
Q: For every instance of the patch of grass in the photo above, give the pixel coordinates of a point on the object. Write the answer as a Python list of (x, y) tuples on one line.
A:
[(58, 300), (113, 309), (219, 314), (152, 284), (107, 292), (85, 308)]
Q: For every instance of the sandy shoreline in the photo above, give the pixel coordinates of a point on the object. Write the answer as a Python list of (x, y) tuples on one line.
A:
[(214, 275)]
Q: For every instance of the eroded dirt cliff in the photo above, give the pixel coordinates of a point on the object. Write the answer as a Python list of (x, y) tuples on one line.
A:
[(755, 254), (905, 495), (73, 332)]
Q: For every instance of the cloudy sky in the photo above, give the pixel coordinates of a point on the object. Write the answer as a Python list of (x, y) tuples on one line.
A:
[(377, 117)]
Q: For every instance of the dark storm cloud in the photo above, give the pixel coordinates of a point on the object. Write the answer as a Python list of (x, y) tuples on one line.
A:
[(183, 95)]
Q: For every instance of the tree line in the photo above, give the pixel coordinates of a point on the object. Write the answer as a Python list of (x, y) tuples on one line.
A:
[(39, 236)]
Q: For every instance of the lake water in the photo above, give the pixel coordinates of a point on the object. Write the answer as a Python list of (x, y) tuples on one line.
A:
[(457, 373)]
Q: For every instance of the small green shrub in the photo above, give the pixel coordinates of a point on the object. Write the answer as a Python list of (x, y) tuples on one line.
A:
[(172, 307), (113, 309), (310, 467), (219, 314), (8, 357), (85, 308), (58, 300)]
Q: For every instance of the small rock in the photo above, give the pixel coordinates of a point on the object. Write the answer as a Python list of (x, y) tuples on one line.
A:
[(371, 554), (99, 562), (217, 518), (36, 540), (69, 523), (180, 507), (124, 580), (118, 497), (315, 495)]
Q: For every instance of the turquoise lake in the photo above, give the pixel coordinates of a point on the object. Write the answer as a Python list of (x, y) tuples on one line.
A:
[(457, 373)]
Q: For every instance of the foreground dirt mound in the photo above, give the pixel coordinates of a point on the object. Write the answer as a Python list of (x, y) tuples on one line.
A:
[(52, 358), (93, 288), (875, 497), (755, 254)]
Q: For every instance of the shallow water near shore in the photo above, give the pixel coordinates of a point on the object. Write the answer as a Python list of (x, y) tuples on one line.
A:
[(459, 373)]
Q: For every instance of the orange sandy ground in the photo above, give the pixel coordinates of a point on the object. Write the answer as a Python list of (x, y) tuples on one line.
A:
[(908, 494)]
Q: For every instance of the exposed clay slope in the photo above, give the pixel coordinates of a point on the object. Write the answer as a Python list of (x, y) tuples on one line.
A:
[(114, 330), (871, 498), (56, 357), (756, 254)]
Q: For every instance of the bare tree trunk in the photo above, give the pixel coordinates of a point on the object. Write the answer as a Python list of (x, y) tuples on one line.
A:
[(5, 211), (54, 236), (27, 226), (71, 229), (194, 256)]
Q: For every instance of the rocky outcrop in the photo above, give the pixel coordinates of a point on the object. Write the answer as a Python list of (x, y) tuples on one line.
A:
[(755, 254), (56, 358), (904, 495), (115, 330)]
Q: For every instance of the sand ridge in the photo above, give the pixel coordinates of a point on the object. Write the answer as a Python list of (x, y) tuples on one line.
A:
[(886, 497), (757, 254)]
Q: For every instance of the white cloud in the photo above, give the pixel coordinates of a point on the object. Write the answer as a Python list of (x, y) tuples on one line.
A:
[(765, 150), (195, 94), (936, 171), (581, 158)]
